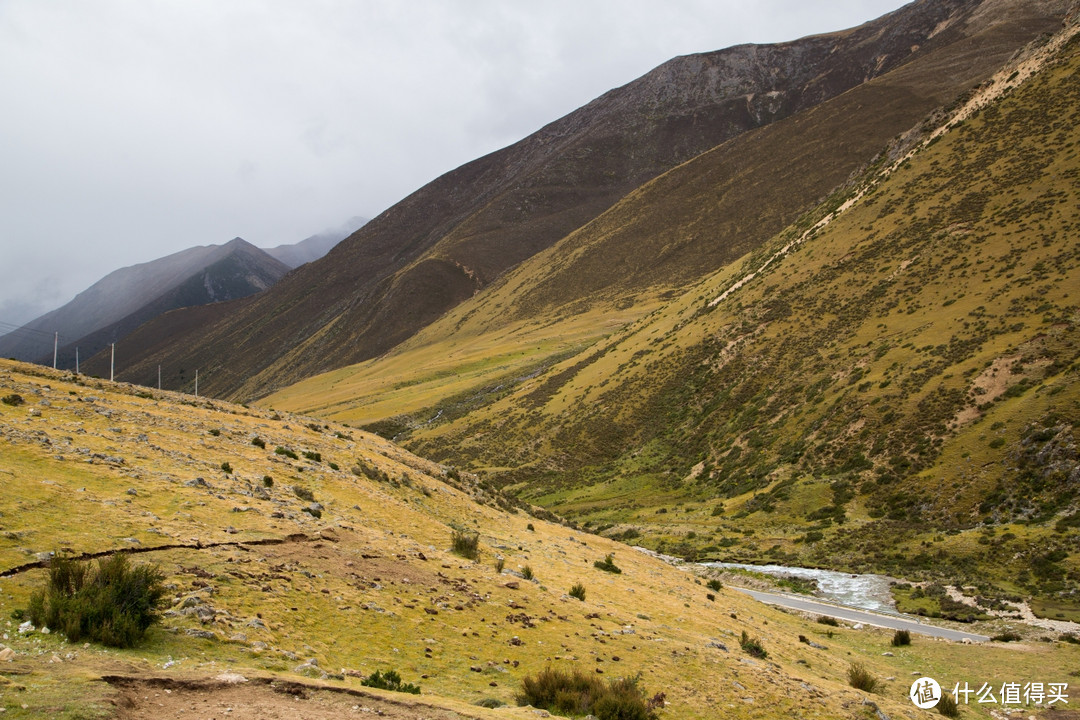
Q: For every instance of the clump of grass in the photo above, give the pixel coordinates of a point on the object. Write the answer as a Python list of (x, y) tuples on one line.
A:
[(578, 693), (303, 493), (608, 564), (948, 706), (389, 680), (215, 432), (267, 481), (112, 603), (714, 584), (14, 399), (258, 442), (465, 544), (826, 620), (527, 572), (1008, 636), (313, 456), (226, 467), (500, 563), (578, 591), (752, 646), (860, 678), (901, 638), (279, 450)]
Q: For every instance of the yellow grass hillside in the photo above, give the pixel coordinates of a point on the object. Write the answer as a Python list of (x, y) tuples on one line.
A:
[(290, 579)]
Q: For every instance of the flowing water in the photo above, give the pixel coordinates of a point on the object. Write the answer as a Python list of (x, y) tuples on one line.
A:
[(866, 592)]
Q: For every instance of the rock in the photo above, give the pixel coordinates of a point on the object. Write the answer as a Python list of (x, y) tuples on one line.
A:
[(717, 645), (231, 678), (132, 491), (197, 482), (26, 627), (204, 634), (7, 655)]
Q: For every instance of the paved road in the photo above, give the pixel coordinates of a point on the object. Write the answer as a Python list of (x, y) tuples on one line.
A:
[(899, 622)]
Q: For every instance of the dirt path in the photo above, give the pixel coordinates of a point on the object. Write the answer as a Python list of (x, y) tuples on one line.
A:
[(232, 697)]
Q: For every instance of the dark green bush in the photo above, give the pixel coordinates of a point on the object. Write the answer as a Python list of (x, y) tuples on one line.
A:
[(1008, 636), (303, 493), (226, 467), (112, 603), (901, 637), (578, 591), (948, 706), (608, 564), (268, 481), (579, 693), (466, 544), (752, 646), (258, 442), (14, 399), (279, 450), (527, 572), (389, 680), (313, 456), (714, 584), (500, 563), (826, 620)]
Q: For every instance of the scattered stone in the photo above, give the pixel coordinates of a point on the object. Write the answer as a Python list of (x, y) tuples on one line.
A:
[(197, 482), (204, 634), (717, 645), (7, 655), (132, 491)]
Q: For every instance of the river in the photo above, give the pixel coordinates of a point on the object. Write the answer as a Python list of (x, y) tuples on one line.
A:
[(867, 592)]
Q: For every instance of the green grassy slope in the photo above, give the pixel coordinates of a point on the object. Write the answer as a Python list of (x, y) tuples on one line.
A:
[(901, 379)]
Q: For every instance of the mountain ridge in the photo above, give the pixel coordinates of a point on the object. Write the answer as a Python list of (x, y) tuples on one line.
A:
[(442, 244)]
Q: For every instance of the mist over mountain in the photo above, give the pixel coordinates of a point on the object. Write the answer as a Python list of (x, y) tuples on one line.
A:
[(296, 254)]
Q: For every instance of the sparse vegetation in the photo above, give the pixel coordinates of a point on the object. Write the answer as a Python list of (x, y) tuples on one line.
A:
[(527, 573), (826, 620), (279, 450), (226, 467), (714, 584), (389, 680), (860, 678), (14, 399), (465, 543), (313, 456), (578, 693), (608, 564), (258, 442), (948, 705), (111, 602), (901, 638), (578, 591), (752, 646)]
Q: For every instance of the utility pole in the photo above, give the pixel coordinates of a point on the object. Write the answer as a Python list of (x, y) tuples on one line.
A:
[(76, 360), (112, 363), (55, 344), (196, 383), (159, 377)]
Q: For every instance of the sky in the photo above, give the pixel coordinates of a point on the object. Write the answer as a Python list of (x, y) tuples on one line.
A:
[(132, 129)]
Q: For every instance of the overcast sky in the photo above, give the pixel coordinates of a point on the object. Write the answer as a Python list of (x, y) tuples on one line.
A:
[(132, 129)]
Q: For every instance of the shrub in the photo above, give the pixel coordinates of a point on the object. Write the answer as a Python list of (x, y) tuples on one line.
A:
[(752, 646), (578, 693), (500, 563), (113, 604), (714, 584), (578, 591), (710, 597), (215, 432), (527, 572), (334, 466), (608, 564), (303, 493), (279, 450), (389, 680), (530, 527), (268, 481), (313, 456), (1008, 636), (14, 399), (860, 678), (226, 467), (826, 620), (901, 637), (465, 544), (948, 706), (258, 442), (490, 703)]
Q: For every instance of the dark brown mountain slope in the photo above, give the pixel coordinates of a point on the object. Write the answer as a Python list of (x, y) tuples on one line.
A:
[(448, 240)]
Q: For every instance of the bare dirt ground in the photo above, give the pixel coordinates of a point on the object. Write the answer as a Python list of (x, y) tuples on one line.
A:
[(231, 697)]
